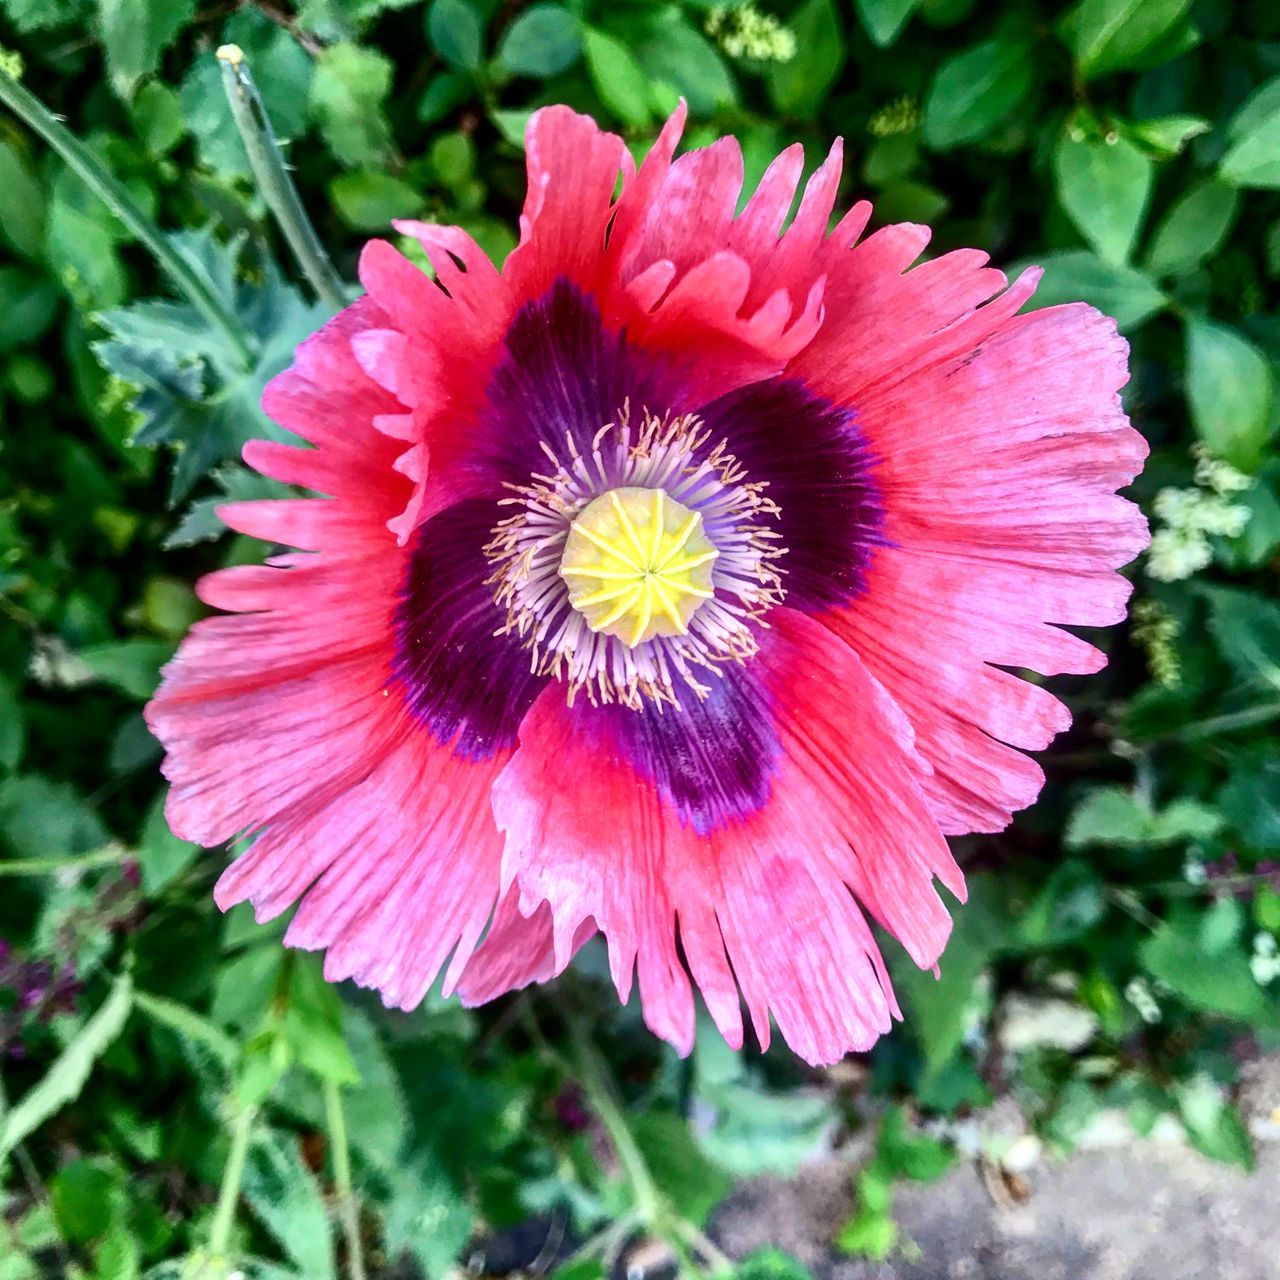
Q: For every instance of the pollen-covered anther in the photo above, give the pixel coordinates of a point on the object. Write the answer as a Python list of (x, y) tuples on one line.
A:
[(635, 570), (638, 565)]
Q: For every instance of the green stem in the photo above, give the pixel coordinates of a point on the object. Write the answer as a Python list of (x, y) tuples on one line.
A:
[(1248, 719), (110, 855), (598, 1087), (341, 1152), (91, 172), (224, 1215), (273, 178)]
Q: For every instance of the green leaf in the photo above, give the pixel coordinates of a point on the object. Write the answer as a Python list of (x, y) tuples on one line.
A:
[(1193, 229), (1069, 905), (682, 1172), (884, 19), (348, 92), (40, 818), (162, 856), (1213, 1125), (156, 113), (623, 87), (13, 729), (908, 1154), (235, 483), (1250, 801), (85, 1197), (976, 90), (1185, 821), (135, 33), (1215, 981), (64, 1080), (544, 40), (28, 307), (1076, 275), (1108, 816), (1246, 627), (81, 253), (43, 15), (286, 1199), (1167, 135), (1229, 386), (426, 1215), (799, 86), (1104, 185), (192, 390), (753, 1129), (942, 1008), (1113, 815), (771, 1264), (195, 1030), (369, 201), (132, 666), (22, 203), (456, 31), (680, 61), (1115, 35), (1253, 159)]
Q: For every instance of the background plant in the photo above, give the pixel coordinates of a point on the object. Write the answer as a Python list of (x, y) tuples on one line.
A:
[(183, 1098)]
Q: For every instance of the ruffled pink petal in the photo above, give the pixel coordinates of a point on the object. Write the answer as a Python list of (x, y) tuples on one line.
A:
[(765, 899), (392, 876), (517, 951), (998, 465)]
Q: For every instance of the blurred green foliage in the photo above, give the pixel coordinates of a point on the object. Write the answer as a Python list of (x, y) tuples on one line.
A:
[(152, 1051)]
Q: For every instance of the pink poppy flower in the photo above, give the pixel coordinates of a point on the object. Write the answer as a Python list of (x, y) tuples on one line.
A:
[(665, 587)]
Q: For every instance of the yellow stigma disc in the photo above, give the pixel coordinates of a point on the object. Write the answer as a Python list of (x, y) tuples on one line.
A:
[(637, 564)]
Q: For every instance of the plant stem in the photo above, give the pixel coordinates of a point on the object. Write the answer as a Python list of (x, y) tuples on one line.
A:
[(224, 1215), (109, 855), (341, 1152), (28, 108), (599, 1090), (273, 178)]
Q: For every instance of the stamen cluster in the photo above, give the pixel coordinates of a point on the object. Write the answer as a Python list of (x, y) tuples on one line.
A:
[(571, 639)]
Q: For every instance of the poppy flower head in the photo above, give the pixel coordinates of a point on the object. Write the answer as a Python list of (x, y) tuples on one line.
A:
[(669, 580)]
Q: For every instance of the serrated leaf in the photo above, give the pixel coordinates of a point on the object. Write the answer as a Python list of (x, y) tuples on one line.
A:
[(70, 1072), (287, 1200), (1108, 816), (193, 1028), (193, 393), (1217, 982)]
